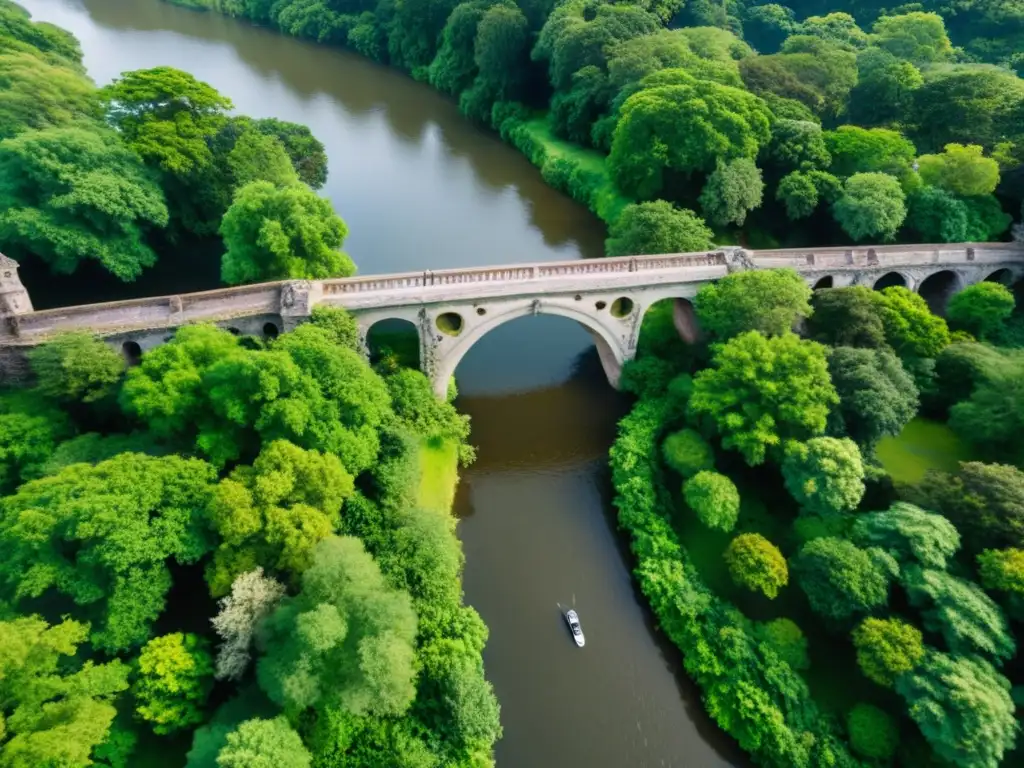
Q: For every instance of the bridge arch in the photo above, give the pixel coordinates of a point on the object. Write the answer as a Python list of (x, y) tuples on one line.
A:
[(938, 288), (393, 341), (609, 347), (890, 279), (824, 282), (1004, 276)]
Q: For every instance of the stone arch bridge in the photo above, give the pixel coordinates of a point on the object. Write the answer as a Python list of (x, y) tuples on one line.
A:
[(453, 309)]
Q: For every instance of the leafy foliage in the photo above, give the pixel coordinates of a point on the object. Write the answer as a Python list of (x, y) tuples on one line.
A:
[(887, 649), (732, 189), (910, 326), (346, 639), (714, 498), (757, 564), (175, 677), (872, 732), (767, 301), (657, 227), (825, 474), (762, 391), (688, 453), (877, 397), (76, 367), (263, 744), (872, 206), (909, 534), (787, 640), (981, 309), (840, 579), (253, 596)]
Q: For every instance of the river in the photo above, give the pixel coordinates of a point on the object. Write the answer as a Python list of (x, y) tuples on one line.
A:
[(422, 188)]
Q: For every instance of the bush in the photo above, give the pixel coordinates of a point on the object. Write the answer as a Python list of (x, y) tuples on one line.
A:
[(687, 453), (872, 732), (757, 564), (981, 309), (785, 638), (714, 498), (886, 648)]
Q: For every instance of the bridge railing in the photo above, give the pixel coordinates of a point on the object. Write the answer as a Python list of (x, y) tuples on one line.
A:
[(881, 256)]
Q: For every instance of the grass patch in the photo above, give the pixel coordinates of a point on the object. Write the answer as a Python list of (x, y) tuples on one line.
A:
[(439, 464), (606, 201), (922, 445)]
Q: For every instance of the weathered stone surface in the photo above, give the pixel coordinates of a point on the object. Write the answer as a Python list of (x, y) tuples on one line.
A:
[(607, 296)]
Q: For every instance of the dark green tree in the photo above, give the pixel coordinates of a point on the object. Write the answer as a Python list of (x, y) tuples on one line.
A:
[(877, 397), (840, 579), (657, 227), (768, 301), (76, 367)]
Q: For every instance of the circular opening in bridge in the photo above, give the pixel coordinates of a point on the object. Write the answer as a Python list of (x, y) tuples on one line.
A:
[(578, 297), (234, 331), (825, 282), (937, 290), (600, 305), (622, 307), (1002, 276), (481, 311), (132, 352), (270, 330), (889, 279), (449, 323)]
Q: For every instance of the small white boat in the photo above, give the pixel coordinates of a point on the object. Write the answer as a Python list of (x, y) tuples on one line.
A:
[(574, 624)]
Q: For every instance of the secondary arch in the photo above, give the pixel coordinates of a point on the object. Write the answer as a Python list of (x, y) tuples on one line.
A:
[(938, 288), (392, 342), (609, 348), (890, 279)]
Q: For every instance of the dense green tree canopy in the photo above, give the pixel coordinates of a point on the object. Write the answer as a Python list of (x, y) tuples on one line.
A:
[(732, 190), (759, 392), (54, 710), (981, 309), (825, 474), (42, 94), (657, 227), (787, 640), (840, 579), (872, 205), (258, 156), (103, 535), (910, 326), (768, 301), (877, 397), (910, 534), (346, 639), (757, 564), (688, 453), (961, 170), (75, 193), (962, 706), (714, 498), (847, 317), (917, 37), (175, 676), (856, 150), (30, 428), (872, 732), (263, 744), (887, 648), (76, 367), (273, 233)]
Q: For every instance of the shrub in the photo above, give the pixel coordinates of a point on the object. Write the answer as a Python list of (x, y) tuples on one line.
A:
[(886, 648), (714, 498), (787, 640), (757, 564), (687, 453)]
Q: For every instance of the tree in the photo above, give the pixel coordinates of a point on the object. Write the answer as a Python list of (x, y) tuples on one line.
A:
[(840, 579), (967, 104), (877, 397), (917, 37), (984, 501), (75, 193), (798, 192), (797, 145), (962, 706), (103, 535), (76, 367), (968, 619), (909, 534), (993, 416), (910, 326), (687, 452), (258, 156), (275, 512), (855, 150), (1003, 570), (345, 640), (416, 406), (885, 87), (760, 392), (938, 215), (55, 711), (757, 564), (309, 159), (871, 206), (714, 498), (785, 638), (339, 325), (42, 93), (872, 732), (175, 677), (887, 649), (981, 309), (501, 51), (732, 189), (166, 115), (961, 170), (264, 744), (768, 301), (657, 227), (825, 475), (678, 123), (253, 597), (30, 429), (272, 233), (454, 67), (766, 26), (840, 28), (848, 317)]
